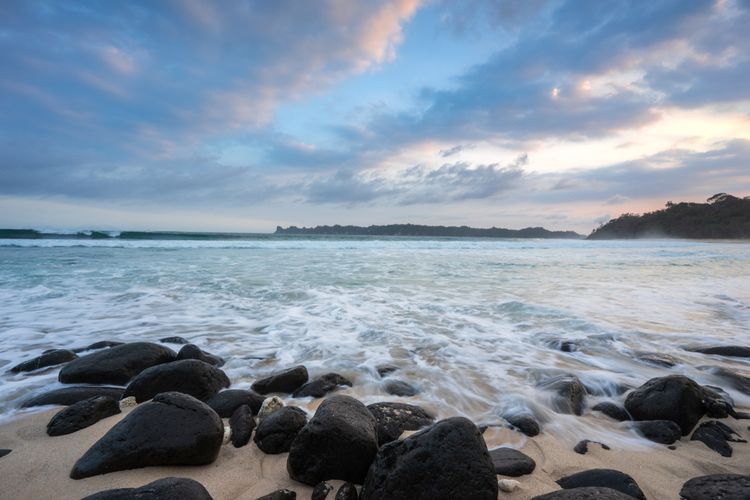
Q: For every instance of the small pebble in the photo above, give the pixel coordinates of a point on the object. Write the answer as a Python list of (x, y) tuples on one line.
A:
[(507, 485), (128, 402), (270, 405)]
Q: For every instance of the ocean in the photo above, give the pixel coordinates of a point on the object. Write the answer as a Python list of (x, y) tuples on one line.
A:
[(473, 324)]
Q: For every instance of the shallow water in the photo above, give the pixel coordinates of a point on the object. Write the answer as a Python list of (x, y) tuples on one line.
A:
[(472, 323)]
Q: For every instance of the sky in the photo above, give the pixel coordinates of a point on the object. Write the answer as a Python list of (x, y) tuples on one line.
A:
[(244, 115)]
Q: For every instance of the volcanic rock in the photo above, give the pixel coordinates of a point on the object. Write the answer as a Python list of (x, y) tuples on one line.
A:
[(169, 488), (717, 486), (511, 462), (395, 418), (321, 386), (607, 478), (191, 351), (116, 365), (276, 431), (675, 397), (226, 402), (48, 358), (241, 424), (285, 381), (71, 395), (188, 376), (82, 414)]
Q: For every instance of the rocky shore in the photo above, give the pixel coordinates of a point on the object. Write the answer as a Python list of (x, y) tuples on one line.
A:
[(143, 420)]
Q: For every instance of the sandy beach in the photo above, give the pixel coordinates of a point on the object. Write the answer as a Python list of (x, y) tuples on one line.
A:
[(39, 465)]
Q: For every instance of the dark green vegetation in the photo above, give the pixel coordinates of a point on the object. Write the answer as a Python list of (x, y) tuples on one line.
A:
[(723, 216), (431, 231)]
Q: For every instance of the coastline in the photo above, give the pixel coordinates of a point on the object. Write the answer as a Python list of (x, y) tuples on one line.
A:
[(39, 465)]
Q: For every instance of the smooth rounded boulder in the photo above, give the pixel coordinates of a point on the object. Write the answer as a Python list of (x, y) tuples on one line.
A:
[(241, 424), (569, 393), (395, 418), (284, 381), (524, 422), (169, 488), (400, 388), (189, 376), (171, 429), (70, 395), (717, 486), (612, 410), (446, 461), (585, 493), (511, 462), (226, 402), (276, 431), (116, 365), (608, 478), (48, 358), (322, 386), (192, 351), (339, 442), (81, 415), (676, 398), (658, 431)]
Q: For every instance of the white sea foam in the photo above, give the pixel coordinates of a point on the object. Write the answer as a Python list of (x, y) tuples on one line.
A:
[(474, 324)]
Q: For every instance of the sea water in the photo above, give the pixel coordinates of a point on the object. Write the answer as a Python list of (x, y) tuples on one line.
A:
[(473, 324)]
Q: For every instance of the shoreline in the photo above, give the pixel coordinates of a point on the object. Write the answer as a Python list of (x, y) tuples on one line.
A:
[(39, 465)]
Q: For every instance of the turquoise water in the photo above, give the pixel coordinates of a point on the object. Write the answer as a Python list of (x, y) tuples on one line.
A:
[(471, 323)]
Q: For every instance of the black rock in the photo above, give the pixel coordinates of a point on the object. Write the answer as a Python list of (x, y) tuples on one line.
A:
[(174, 340), (736, 351), (4, 451), (717, 402), (339, 442), (191, 351), (511, 462), (321, 491), (612, 410), (279, 495), (399, 388), (717, 486), (276, 431), (738, 380), (285, 381), (659, 431), (446, 461), (675, 397), (347, 492), (608, 389), (49, 358), (82, 414), (524, 422), (607, 478), (568, 346), (169, 488), (385, 369), (583, 446), (116, 365), (395, 418), (71, 395), (657, 359), (242, 424), (189, 376), (585, 493), (172, 429), (570, 393), (321, 386), (716, 435), (741, 415), (98, 345), (226, 402)]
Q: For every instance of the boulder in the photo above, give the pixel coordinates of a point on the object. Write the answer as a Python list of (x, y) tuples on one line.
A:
[(171, 429), (717, 486), (446, 461), (347, 492), (659, 431), (321, 491), (241, 424), (82, 414), (339, 442), (608, 478), (191, 351), (718, 403), (400, 388), (657, 359), (226, 402), (116, 365), (524, 422), (585, 493), (174, 340), (48, 358), (510, 462), (270, 405), (386, 369), (284, 381), (675, 397), (735, 351), (169, 488), (716, 436), (321, 386), (612, 410), (276, 431), (395, 418), (738, 380), (71, 395), (582, 447), (279, 495), (98, 345), (189, 376), (569, 393)]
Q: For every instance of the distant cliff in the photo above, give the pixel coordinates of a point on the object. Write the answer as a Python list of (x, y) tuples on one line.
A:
[(431, 231), (723, 216)]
